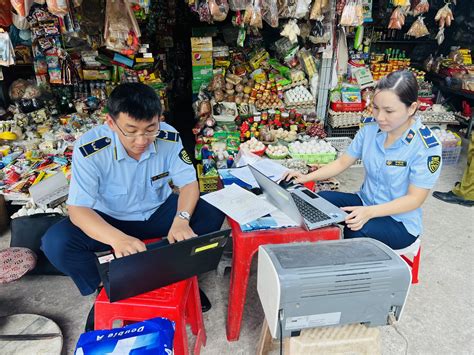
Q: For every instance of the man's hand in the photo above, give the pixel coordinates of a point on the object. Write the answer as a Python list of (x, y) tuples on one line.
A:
[(358, 216), (180, 230), (127, 245)]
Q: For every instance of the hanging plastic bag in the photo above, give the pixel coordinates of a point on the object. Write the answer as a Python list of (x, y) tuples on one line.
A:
[(58, 7), (340, 4), (352, 15), (302, 8), (5, 13), (204, 13), (19, 7), (270, 12), (291, 30), (440, 36), (287, 8), (444, 16), (237, 5), (7, 52), (397, 20), (253, 15), (318, 9), (422, 7), (418, 29), (219, 9)]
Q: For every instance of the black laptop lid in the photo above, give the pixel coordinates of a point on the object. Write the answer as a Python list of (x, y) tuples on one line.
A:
[(164, 264)]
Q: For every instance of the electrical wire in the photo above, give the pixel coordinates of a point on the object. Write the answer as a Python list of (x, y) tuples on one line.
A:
[(392, 321)]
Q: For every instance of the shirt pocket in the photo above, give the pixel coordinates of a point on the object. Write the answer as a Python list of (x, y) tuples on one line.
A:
[(396, 175), (114, 194), (159, 188)]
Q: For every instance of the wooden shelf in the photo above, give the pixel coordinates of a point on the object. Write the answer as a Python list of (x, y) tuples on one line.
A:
[(409, 41)]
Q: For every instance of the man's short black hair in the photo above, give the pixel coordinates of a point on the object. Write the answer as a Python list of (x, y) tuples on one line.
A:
[(137, 100)]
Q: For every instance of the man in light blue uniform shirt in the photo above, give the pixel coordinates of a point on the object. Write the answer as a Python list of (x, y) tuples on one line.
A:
[(119, 192)]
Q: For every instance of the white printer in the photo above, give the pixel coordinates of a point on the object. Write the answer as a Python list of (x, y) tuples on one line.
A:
[(326, 283)]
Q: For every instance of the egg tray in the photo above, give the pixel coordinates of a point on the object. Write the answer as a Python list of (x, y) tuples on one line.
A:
[(294, 84), (268, 107), (300, 104), (337, 122), (316, 158), (437, 117)]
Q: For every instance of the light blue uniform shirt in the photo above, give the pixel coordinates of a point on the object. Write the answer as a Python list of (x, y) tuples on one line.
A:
[(389, 172), (107, 179)]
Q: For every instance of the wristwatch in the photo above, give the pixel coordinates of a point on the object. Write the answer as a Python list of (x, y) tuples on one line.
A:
[(183, 215)]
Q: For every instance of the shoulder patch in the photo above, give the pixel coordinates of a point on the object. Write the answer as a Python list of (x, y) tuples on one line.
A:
[(434, 162), (427, 137), (169, 136), (368, 120), (93, 147), (183, 155)]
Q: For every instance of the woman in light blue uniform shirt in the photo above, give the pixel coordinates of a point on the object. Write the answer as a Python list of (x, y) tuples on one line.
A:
[(402, 161)]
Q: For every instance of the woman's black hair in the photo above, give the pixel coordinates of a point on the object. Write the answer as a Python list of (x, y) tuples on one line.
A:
[(403, 83), (137, 100)]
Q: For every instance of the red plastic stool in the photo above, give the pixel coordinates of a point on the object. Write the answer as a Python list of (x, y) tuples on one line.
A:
[(412, 256), (178, 302)]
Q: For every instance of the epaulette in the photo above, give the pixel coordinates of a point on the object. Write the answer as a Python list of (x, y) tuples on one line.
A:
[(168, 136), (427, 137), (368, 120), (91, 148)]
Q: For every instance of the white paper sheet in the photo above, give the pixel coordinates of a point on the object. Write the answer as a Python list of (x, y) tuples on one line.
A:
[(270, 169), (245, 175), (239, 204)]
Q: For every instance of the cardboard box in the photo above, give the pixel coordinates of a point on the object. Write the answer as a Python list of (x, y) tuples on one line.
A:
[(202, 72), (196, 84), (93, 74), (201, 44), (201, 58)]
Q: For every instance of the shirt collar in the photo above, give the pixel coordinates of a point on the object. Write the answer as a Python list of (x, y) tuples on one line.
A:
[(410, 133)]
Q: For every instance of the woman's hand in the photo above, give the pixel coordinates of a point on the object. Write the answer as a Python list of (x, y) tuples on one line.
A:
[(298, 177), (358, 216)]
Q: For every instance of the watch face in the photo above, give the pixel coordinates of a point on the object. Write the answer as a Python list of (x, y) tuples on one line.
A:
[(184, 215)]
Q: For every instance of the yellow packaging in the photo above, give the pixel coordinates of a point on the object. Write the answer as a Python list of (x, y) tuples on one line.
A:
[(144, 60), (201, 44), (5, 150), (201, 58), (258, 58)]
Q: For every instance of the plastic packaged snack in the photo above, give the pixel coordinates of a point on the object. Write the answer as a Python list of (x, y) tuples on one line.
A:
[(270, 12), (422, 7), (444, 16), (418, 29), (397, 20), (219, 9)]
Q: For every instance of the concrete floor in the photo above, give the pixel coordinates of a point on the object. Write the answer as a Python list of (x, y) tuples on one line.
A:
[(437, 319)]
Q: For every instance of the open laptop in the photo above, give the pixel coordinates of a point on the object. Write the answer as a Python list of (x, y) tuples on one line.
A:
[(161, 265), (300, 204)]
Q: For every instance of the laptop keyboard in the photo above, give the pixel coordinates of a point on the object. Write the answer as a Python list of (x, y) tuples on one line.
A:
[(308, 211)]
